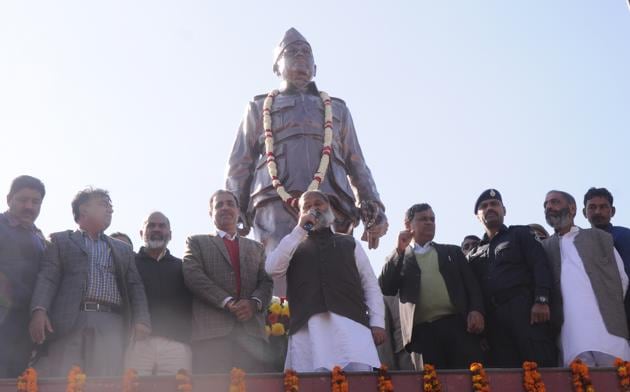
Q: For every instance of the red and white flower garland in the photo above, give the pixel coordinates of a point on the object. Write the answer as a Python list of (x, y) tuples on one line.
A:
[(319, 175)]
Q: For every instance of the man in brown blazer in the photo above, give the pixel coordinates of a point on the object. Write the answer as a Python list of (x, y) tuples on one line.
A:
[(231, 289)]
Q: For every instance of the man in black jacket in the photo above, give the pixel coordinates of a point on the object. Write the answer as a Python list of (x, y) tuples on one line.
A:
[(515, 278), (170, 304), (441, 312)]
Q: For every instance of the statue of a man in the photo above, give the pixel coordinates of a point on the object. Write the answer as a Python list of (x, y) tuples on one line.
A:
[(297, 140)]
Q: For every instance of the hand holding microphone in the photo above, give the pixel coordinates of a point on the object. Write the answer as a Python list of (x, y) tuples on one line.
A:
[(309, 219)]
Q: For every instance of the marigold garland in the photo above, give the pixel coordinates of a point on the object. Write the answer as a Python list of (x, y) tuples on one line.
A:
[(385, 383), (130, 381), (623, 372), (581, 379), (479, 378), (339, 380), (184, 383), (430, 382), (76, 380), (27, 382), (237, 380), (291, 381), (532, 380), (272, 168)]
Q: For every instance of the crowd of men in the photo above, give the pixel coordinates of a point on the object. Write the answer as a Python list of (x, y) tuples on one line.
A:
[(84, 298)]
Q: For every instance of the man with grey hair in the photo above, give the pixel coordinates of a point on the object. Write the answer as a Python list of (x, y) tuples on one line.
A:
[(336, 304), (167, 349), (589, 287), (297, 136)]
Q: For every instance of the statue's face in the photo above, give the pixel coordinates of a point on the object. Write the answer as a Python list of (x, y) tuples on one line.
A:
[(296, 64)]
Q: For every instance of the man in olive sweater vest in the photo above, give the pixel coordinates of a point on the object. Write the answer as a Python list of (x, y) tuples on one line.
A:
[(589, 287), (441, 305), (336, 306)]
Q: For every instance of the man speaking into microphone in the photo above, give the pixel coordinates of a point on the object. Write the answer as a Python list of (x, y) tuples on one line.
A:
[(337, 313)]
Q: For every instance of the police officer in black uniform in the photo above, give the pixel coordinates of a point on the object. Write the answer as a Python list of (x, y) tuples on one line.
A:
[(516, 281)]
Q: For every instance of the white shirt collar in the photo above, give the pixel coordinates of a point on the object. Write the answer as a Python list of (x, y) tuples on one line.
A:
[(422, 249), (223, 234)]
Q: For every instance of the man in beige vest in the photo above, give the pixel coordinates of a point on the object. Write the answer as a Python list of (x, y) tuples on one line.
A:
[(589, 287)]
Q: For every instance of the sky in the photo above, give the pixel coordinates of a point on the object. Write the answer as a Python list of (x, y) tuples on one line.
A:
[(144, 99)]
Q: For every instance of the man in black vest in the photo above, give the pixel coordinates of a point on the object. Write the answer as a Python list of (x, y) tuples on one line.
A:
[(336, 304), (441, 311)]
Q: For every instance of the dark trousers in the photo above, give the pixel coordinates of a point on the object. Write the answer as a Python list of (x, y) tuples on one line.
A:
[(445, 343), (15, 342), (513, 339), (238, 349)]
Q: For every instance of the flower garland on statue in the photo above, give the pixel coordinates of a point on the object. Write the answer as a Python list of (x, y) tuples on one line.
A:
[(339, 380), (623, 372), (237, 380), (580, 377), (430, 382), (291, 381), (319, 175), (385, 383), (76, 380), (479, 378), (27, 382), (532, 380), (130, 381), (184, 383)]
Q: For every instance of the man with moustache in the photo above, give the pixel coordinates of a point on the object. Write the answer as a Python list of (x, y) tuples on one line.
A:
[(21, 251), (297, 132), (590, 284), (226, 274), (441, 305), (599, 210), (88, 300), (337, 313), (167, 350), (515, 278)]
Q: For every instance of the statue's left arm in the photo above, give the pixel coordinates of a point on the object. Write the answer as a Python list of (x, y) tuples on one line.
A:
[(372, 208)]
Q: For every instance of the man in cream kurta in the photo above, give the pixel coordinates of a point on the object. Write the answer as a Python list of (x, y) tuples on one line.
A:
[(592, 287), (337, 311)]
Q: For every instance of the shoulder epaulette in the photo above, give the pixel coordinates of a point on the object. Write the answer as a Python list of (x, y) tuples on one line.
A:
[(338, 100)]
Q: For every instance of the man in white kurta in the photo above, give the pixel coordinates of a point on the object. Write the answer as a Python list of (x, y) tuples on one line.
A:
[(327, 338), (592, 289), (583, 331)]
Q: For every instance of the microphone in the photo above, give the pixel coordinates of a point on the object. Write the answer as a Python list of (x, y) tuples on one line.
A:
[(308, 226)]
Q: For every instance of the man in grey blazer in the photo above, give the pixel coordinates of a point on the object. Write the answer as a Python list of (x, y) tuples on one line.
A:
[(231, 289), (89, 299), (589, 287)]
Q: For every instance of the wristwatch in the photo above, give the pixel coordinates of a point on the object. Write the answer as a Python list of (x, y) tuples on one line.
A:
[(541, 299)]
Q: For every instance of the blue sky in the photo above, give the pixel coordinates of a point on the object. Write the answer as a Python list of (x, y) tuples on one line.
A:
[(449, 98)]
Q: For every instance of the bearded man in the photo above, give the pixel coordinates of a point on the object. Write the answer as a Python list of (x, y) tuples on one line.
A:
[(337, 311), (170, 304), (589, 287), (302, 143)]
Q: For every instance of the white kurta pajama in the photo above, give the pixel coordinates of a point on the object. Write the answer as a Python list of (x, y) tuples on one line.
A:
[(583, 329), (329, 339)]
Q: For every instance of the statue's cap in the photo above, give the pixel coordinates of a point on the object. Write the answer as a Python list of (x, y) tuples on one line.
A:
[(291, 36)]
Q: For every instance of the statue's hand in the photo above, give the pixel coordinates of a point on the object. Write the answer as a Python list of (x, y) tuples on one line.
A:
[(374, 221), (243, 227)]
